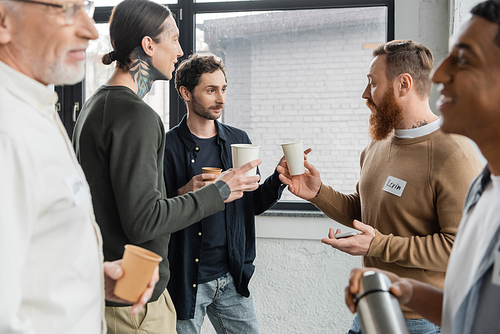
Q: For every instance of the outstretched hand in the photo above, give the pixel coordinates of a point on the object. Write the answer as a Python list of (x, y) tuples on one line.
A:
[(112, 272), (355, 245), (306, 185)]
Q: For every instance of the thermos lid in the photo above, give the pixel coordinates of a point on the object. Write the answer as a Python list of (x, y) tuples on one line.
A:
[(373, 281)]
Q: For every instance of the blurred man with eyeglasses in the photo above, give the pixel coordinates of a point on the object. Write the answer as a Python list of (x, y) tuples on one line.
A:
[(52, 276), (413, 181)]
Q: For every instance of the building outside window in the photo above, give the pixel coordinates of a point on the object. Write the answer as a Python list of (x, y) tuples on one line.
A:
[(299, 75)]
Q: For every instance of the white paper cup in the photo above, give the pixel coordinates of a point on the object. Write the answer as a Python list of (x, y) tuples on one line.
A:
[(294, 155), (244, 153)]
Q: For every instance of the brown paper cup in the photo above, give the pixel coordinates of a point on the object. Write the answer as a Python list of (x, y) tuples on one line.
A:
[(211, 170), (138, 267)]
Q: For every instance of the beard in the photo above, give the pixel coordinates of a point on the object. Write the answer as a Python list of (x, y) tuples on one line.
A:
[(59, 73), (384, 117), (203, 112)]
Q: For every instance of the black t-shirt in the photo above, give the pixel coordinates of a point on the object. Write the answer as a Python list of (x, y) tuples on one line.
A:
[(214, 260)]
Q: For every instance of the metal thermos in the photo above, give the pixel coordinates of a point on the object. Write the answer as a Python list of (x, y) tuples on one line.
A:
[(378, 310)]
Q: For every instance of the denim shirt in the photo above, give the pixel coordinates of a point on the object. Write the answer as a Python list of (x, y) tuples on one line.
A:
[(185, 245), (466, 319)]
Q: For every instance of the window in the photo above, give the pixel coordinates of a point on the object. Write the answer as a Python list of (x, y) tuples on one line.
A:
[(296, 70), (112, 3), (298, 75)]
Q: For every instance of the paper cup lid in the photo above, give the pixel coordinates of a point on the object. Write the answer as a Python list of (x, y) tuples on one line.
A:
[(292, 143), (245, 145)]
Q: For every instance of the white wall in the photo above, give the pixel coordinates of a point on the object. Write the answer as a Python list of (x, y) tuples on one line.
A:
[(459, 11), (426, 22), (299, 282)]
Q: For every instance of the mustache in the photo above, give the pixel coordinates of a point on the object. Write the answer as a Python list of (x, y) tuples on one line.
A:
[(371, 105), (217, 106)]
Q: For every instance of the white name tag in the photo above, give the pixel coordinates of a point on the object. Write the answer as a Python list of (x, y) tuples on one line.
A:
[(495, 276), (394, 186), (77, 188)]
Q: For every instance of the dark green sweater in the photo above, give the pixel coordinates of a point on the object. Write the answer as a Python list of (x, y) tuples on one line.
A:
[(119, 141)]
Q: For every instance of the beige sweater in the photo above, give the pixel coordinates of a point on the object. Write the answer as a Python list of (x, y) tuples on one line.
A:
[(414, 231)]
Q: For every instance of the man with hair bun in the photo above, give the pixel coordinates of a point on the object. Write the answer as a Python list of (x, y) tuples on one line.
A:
[(414, 177), (119, 141)]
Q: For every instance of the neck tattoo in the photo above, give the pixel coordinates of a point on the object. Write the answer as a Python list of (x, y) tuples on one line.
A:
[(420, 124), (143, 72)]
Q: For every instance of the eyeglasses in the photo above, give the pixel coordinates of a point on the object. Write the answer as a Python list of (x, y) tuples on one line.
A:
[(71, 10)]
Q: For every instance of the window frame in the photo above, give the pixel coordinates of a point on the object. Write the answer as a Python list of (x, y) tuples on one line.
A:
[(184, 13)]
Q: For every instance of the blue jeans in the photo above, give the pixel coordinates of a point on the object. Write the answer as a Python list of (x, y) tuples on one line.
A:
[(228, 311), (415, 326)]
